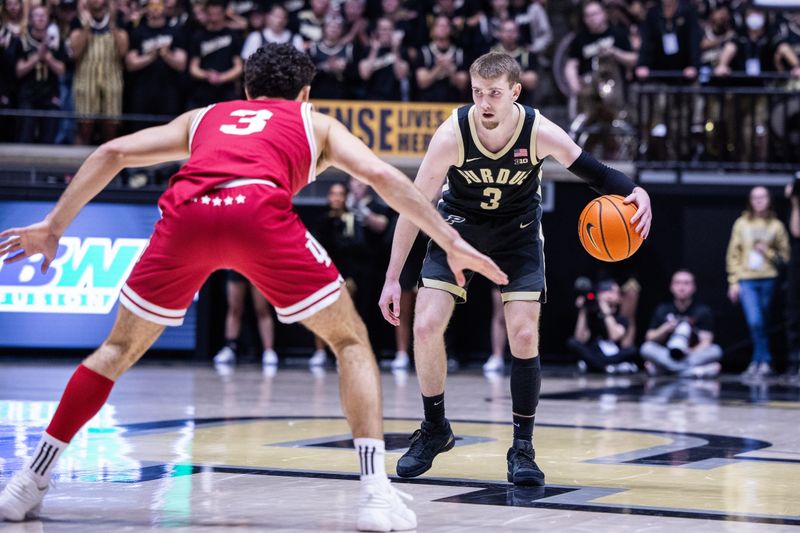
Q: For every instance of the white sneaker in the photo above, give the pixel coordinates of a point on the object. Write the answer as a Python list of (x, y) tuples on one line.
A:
[(764, 370), (751, 371), (318, 359), (225, 356), (21, 497), (269, 358), (400, 361), (381, 508), (494, 364)]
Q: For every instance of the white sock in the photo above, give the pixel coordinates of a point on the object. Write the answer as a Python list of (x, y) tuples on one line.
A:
[(401, 355), (43, 461), (371, 454)]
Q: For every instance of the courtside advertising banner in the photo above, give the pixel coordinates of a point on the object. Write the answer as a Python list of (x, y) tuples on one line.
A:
[(73, 305)]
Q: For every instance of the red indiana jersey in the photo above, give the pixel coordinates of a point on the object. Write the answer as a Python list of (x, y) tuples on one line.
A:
[(248, 139)]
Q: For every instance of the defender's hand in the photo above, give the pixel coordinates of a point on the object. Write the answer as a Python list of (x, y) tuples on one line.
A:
[(389, 302), (644, 214), (462, 256), (35, 239)]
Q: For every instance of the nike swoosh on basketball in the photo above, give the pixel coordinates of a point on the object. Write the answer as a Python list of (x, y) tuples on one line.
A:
[(589, 227), (523, 225), (472, 159)]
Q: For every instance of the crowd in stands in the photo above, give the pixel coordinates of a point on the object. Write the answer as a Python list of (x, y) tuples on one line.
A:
[(103, 58)]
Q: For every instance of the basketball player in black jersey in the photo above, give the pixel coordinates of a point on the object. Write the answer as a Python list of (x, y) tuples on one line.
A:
[(491, 154)]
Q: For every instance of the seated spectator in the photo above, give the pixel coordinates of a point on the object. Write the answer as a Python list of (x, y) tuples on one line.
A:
[(215, 65), (275, 31), (442, 74), (39, 63), (98, 45), (384, 68), (595, 72), (309, 22), (333, 59), (509, 43), (680, 339), (157, 60), (599, 330)]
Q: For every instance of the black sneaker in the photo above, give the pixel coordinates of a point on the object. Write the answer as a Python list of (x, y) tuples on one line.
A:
[(426, 443), (522, 469)]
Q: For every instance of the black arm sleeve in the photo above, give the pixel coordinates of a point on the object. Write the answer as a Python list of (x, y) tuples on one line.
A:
[(601, 178)]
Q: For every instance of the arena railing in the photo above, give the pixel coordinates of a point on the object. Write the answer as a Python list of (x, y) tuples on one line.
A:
[(736, 123)]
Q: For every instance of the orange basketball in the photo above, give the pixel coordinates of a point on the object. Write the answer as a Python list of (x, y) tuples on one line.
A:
[(605, 230)]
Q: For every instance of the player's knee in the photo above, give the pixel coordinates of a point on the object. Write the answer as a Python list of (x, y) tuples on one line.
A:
[(352, 336), (524, 336), (427, 327)]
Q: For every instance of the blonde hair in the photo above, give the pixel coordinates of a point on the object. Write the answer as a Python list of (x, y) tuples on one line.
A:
[(495, 65)]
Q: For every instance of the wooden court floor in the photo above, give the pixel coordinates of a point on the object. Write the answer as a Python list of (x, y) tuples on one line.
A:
[(196, 449)]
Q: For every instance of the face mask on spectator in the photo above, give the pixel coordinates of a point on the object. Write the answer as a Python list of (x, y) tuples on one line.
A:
[(755, 21)]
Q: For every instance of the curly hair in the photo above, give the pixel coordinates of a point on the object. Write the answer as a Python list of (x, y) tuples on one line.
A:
[(278, 71)]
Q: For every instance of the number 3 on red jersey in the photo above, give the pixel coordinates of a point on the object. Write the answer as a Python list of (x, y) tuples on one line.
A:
[(251, 121)]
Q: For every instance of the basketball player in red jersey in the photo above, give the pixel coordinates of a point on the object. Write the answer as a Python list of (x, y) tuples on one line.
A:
[(230, 206)]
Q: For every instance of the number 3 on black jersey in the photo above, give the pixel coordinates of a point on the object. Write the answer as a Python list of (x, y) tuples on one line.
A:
[(492, 195)]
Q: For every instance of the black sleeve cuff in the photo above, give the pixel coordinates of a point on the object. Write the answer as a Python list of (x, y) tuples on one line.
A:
[(601, 178)]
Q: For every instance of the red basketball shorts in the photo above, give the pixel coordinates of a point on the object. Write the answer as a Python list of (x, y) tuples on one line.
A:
[(247, 226)]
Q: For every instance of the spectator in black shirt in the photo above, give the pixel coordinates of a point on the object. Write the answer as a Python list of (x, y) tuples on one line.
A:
[(508, 36), (599, 331), (356, 23), (385, 67), (39, 63), (680, 339), (10, 27), (670, 40), (157, 58), (752, 52), (441, 74), (595, 72), (215, 65), (342, 236), (333, 59)]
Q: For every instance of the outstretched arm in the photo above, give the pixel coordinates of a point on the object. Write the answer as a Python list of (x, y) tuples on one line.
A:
[(150, 146), (553, 141)]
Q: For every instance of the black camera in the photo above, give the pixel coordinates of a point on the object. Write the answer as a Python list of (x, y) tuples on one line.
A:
[(585, 288)]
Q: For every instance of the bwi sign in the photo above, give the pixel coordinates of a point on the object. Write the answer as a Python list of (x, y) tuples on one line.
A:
[(84, 278)]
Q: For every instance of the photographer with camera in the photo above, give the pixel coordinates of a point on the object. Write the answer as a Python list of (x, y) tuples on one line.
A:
[(680, 339), (600, 328), (793, 281)]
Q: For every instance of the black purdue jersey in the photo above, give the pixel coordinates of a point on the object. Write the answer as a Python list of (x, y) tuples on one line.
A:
[(487, 184)]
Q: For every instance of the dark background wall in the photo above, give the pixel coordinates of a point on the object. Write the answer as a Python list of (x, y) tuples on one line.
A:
[(691, 229)]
